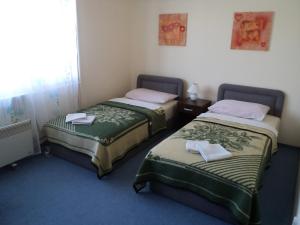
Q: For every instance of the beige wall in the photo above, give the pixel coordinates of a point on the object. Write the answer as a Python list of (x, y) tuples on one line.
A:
[(208, 59), (104, 49)]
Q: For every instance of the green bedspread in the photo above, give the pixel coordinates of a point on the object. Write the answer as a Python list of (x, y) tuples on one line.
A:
[(118, 127), (156, 118), (113, 120), (233, 183)]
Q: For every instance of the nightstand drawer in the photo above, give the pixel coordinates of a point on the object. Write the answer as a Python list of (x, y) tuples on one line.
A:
[(188, 109)]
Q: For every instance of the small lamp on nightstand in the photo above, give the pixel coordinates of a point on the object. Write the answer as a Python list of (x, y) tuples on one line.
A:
[(193, 91)]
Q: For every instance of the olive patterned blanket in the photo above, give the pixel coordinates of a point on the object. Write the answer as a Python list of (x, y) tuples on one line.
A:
[(116, 129), (233, 183), (113, 119)]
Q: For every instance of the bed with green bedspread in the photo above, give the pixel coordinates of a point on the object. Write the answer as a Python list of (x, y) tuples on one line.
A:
[(233, 183), (118, 127)]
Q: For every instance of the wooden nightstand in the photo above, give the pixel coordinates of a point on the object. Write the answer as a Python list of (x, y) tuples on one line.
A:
[(189, 110)]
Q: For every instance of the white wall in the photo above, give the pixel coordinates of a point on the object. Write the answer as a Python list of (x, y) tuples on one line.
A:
[(104, 49), (208, 59)]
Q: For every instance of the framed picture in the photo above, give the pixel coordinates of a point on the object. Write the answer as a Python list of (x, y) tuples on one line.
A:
[(251, 30), (172, 29)]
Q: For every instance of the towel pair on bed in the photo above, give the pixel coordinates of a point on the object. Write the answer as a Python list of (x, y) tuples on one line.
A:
[(209, 152)]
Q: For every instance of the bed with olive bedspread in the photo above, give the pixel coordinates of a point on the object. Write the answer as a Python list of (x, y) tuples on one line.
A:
[(229, 188), (233, 182), (117, 129)]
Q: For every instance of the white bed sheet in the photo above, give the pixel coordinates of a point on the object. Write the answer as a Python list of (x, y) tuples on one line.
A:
[(269, 122), (170, 107)]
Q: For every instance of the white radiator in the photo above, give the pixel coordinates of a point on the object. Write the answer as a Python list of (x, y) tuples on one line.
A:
[(15, 142)]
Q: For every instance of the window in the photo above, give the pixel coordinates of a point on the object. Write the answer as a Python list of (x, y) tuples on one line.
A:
[(38, 45)]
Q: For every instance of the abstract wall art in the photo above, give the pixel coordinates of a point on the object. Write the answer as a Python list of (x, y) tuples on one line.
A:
[(252, 30), (173, 29)]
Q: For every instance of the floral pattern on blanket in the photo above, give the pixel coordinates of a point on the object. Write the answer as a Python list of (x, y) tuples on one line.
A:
[(109, 114), (230, 138), (233, 183)]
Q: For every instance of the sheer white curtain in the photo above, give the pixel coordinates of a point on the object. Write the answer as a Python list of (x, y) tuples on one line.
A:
[(38, 61)]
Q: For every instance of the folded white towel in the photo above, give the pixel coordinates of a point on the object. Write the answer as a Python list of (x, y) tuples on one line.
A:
[(86, 121), (196, 146), (209, 152), (75, 116)]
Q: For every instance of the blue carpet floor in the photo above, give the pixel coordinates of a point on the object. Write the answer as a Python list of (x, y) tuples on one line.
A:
[(51, 191)]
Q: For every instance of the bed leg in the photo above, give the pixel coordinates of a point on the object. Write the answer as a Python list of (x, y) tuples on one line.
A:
[(138, 187), (100, 176)]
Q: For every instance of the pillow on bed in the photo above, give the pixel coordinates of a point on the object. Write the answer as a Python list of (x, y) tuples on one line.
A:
[(148, 95), (247, 110)]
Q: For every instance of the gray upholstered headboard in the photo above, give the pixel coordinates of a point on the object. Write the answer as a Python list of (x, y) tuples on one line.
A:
[(159, 83), (269, 97)]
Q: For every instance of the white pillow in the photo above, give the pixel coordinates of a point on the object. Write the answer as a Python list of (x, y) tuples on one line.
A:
[(148, 95), (247, 110)]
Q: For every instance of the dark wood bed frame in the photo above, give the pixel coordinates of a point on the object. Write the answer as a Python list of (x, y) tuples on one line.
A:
[(159, 83), (270, 97)]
